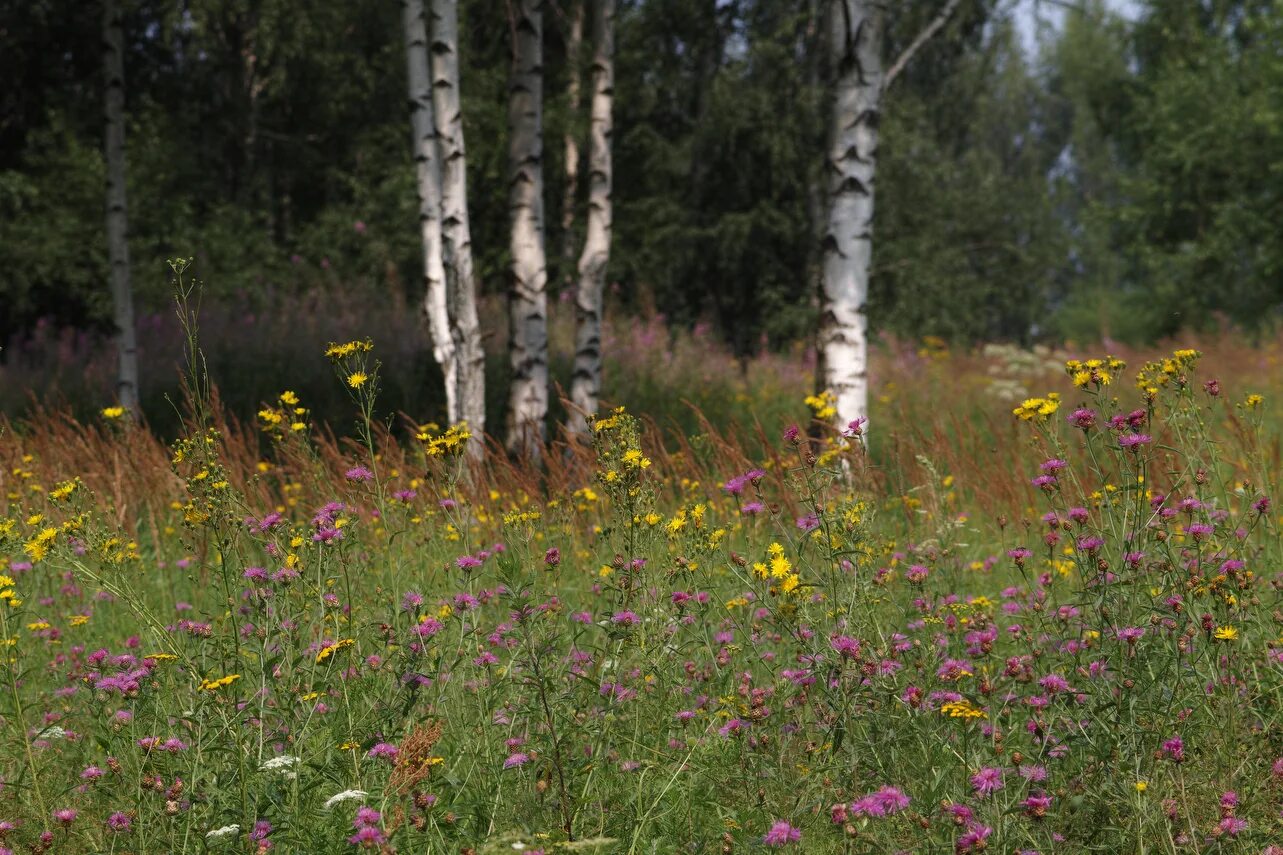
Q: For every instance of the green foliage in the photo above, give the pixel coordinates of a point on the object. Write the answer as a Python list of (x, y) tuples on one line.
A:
[(1123, 181)]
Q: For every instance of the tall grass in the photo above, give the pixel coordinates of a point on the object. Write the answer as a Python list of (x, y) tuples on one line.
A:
[(1052, 630)]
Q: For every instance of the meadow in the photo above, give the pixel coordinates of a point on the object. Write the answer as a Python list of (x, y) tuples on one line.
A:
[(1032, 606)]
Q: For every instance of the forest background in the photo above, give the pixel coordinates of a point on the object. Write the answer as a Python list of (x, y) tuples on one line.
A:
[(1048, 173)]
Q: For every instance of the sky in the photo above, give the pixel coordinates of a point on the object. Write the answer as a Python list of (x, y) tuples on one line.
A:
[(1028, 14)]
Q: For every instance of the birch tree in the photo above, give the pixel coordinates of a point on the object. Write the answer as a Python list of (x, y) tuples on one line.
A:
[(456, 231), (585, 385), (122, 296), (527, 297), (855, 35), (574, 45), (428, 184)]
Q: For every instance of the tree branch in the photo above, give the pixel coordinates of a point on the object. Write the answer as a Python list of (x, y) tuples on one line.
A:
[(930, 30)]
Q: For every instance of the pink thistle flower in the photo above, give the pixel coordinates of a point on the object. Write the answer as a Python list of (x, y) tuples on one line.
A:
[(987, 781), (1083, 418), (513, 761), (781, 834), (1036, 806), (1232, 826), (385, 750), (1133, 441)]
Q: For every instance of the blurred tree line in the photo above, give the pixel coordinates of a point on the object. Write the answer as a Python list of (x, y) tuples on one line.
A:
[(1123, 180)]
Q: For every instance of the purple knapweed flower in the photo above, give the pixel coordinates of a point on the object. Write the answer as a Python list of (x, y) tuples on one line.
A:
[(987, 781), (781, 834)]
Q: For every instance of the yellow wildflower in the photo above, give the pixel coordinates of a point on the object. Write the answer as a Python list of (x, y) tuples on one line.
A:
[(208, 685)]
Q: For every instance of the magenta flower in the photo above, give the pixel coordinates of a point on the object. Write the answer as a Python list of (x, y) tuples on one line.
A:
[(66, 816), (1133, 441), (1130, 634), (384, 749), (367, 836), (975, 840), (119, 821), (987, 781), (1090, 544), (731, 727), (845, 646), (1036, 806), (1232, 825), (1198, 531), (883, 802), (954, 669), (467, 562), (427, 627), (781, 834), (520, 758), (359, 473), (552, 557), (1083, 418), (625, 618)]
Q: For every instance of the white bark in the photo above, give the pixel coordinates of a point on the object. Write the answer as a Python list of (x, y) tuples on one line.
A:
[(527, 297), (456, 232), (428, 182), (855, 44), (585, 385), (122, 297), (574, 45)]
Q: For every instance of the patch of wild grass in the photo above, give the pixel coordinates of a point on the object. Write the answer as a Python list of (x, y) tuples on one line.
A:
[(1049, 630)]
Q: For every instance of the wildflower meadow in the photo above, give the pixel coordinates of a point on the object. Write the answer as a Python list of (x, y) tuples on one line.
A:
[(259, 638)]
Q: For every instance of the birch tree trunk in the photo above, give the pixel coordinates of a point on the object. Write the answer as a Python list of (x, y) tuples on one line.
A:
[(585, 386), (527, 297), (855, 44), (122, 296), (456, 232), (574, 45), (428, 182)]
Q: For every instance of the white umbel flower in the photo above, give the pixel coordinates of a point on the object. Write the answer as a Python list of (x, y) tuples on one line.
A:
[(225, 831), (283, 764), (345, 796)]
